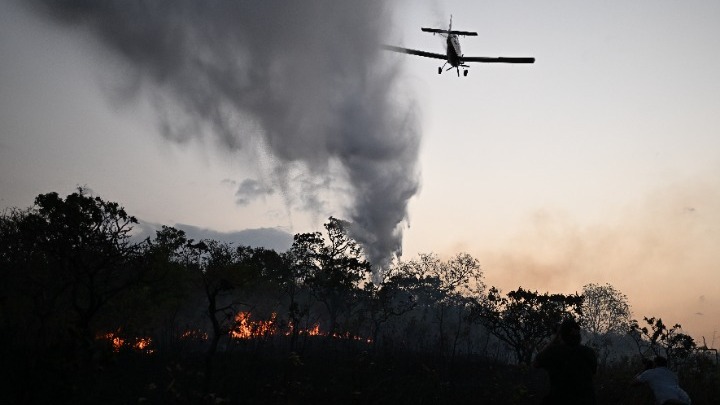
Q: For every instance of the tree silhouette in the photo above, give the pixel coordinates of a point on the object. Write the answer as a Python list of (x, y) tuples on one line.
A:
[(68, 258), (606, 315), (523, 319), (220, 270), (443, 292), (333, 269), (161, 299), (64, 264), (605, 310), (659, 338), (386, 301)]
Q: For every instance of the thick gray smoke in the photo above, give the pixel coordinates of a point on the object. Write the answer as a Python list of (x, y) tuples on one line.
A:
[(304, 79)]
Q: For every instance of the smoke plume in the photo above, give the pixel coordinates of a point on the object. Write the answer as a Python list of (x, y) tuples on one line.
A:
[(304, 81)]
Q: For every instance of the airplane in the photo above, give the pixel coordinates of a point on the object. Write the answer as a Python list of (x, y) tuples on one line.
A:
[(454, 55)]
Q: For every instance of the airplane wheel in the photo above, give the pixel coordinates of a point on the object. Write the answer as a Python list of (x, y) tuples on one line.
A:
[(465, 72), (439, 70)]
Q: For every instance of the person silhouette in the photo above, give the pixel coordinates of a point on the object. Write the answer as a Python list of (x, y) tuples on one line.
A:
[(663, 383), (570, 365)]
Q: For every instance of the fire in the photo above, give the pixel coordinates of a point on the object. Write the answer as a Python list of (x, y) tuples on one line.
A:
[(195, 334), (116, 341), (141, 344), (247, 329), (315, 331)]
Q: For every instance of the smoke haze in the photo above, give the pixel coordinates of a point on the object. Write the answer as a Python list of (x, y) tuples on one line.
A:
[(301, 81), (661, 252)]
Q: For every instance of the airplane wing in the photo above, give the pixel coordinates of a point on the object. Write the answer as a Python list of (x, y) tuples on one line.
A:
[(439, 31), (414, 52), (500, 59)]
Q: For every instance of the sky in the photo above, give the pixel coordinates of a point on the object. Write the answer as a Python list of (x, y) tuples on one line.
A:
[(600, 163)]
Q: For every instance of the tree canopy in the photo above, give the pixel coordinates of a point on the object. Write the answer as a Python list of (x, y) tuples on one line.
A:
[(78, 291)]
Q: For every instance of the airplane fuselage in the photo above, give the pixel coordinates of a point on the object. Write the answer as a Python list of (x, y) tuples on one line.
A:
[(454, 54)]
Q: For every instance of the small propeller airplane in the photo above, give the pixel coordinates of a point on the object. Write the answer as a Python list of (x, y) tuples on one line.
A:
[(454, 55)]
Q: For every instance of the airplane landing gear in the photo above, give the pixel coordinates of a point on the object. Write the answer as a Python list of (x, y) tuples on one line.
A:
[(465, 72), (440, 69)]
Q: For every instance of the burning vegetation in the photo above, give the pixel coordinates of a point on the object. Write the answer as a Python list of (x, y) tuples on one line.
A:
[(244, 328), (139, 344)]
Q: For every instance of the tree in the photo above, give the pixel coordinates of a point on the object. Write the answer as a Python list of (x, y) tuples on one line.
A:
[(68, 259), (461, 281), (288, 275), (606, 314), (658, 338), (64, 263), (524, 319), (160, 303), (385, 301), (222, 271), (445, 288), (605, 310), (219, 270), (333, 271)]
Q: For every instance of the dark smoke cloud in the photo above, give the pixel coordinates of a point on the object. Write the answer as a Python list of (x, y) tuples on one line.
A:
[(250, 190), (303, 79)]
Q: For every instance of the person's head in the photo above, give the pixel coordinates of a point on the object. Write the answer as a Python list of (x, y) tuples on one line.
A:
[(648, 364), (660, 361), (570, 332)]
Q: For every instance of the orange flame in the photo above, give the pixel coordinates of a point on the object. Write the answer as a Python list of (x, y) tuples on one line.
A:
[(247, 329), (194, 334), (141, 344), (314, 331)]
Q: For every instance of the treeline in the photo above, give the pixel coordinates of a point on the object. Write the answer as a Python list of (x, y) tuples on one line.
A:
[(77, 293)]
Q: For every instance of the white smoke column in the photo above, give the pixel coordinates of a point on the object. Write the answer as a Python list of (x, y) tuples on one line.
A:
[(305, 78)]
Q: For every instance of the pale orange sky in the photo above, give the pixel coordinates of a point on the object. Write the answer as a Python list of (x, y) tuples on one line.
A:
[(661, 252)]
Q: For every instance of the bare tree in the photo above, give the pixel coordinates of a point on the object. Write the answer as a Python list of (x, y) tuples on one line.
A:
[(447, 289), (606, 317), (605, 310)]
